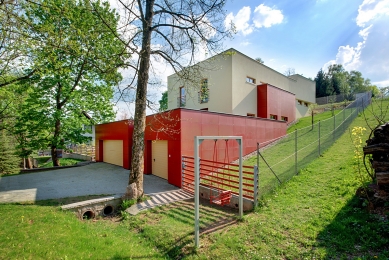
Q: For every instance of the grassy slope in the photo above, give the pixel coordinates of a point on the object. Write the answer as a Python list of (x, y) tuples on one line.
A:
[(315, 215), (39, 232)]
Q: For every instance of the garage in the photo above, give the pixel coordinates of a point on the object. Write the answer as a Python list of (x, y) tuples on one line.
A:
[(113, 152), (159, 158)]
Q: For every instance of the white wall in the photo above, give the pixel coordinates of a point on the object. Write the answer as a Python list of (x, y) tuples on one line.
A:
[(228, 90)]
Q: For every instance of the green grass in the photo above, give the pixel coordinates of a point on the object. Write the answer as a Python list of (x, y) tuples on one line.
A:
[(42, 159), (315, 215), (307, 121), (62, 162)]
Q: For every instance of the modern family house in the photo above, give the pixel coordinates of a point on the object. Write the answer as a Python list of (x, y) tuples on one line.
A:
[(236, 96)]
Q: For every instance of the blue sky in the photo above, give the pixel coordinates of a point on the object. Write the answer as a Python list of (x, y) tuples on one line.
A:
[(305, 35), (309, 35)]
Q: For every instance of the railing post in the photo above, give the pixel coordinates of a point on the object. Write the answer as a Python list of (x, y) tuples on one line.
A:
[(256, 186), (295, 151), (183, 172), (319, 138)]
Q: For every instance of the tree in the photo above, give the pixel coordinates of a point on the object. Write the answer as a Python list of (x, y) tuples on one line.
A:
[(174, 32), (78, 56), (289, 72), (322, 84), (14, 65), (9, 161), (163, 101), (259, 60)]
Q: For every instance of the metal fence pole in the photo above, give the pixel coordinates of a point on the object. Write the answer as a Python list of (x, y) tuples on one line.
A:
[(256, 185), (319, 138), (333, 134), (295, 151)]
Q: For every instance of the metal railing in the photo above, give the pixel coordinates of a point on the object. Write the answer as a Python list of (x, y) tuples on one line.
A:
[(219, 176)]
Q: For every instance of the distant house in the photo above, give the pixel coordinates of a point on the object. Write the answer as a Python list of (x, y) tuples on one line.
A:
[(236, 84)]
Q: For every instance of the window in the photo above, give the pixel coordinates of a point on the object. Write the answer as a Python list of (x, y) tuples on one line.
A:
[(250, 80), (204, 91), (205, 108), (274, 117), (300, 102), (250, 114), (182, 98), (306, 104), (284, 118)]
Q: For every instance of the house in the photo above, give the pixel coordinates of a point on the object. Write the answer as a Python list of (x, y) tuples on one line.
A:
[(170, 135), (236, 84), (235, 96)]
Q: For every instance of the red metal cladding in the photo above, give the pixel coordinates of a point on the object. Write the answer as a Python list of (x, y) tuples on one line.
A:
[(275, 101), (180, 126), (120, 130)]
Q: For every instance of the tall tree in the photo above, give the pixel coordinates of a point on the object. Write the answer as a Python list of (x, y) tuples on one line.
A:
[(322, 84), (163, 102), (75, 46), (9, 161), (174, 32)]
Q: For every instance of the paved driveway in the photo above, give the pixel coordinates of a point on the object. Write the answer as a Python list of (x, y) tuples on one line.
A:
[(91, 179)]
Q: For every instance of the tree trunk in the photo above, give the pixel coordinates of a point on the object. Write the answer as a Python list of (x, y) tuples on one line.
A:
[(54, 156), (135, 185)]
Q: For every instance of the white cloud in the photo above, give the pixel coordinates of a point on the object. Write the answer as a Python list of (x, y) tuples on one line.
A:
[(370, 10), (245, 43), (265, 16), (371, 55), (240, 21)]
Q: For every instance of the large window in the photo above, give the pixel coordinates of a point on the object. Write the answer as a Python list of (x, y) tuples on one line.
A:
[(204, 91), (182, 98)]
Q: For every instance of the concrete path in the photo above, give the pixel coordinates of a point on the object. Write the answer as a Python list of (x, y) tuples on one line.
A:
[(158, 199), (91, 179)]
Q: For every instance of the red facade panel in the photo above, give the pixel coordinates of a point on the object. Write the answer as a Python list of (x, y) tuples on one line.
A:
[(180, 126), (120, 130), (252, 130), (275, 101)]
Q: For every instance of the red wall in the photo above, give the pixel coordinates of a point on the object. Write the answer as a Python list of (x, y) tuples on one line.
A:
[(165, 126), (275, 101), (120, 130), (180, 126), (201, 123)]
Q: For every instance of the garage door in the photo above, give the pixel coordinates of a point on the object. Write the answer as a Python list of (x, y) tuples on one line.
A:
[(113, 152), (159, 158)]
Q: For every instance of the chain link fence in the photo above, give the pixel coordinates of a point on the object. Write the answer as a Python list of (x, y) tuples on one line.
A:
[(283, 158), (338, 98)]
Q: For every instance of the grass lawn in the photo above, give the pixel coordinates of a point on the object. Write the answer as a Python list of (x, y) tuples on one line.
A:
[(315, 215), (62, 162)]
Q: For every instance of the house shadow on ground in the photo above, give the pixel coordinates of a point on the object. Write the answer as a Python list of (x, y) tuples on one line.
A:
[(356, 234)]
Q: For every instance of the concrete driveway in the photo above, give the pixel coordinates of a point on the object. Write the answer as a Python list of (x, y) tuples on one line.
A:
[(92, 179)]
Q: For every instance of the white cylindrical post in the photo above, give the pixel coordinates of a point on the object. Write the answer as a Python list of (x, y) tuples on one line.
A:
[(240, 141)]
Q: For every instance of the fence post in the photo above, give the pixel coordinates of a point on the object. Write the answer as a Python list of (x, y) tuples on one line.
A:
[(333, 135), (319, 138), (295, 151), (256, 185)]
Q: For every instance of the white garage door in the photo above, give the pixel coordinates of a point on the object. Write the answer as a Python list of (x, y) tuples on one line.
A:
[(159, 158), (113, 152)]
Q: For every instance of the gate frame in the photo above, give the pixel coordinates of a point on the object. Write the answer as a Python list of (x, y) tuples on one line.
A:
[(197, 141)]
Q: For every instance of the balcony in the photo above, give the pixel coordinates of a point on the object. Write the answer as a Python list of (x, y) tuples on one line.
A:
[(181, 101)]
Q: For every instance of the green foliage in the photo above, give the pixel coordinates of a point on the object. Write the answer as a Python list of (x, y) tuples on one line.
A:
[(78, 59), (9, 161), (163, 103), (339, 81), (127, 203)]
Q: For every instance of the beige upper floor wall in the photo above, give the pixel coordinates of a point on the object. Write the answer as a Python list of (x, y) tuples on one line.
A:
[(228, 90)]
